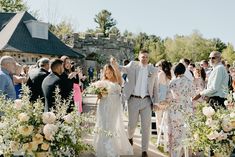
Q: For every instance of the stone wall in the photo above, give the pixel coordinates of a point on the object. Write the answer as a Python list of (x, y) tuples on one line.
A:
[(99, 49)]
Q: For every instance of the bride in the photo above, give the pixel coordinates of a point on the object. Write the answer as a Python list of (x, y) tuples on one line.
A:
[(110, 139)]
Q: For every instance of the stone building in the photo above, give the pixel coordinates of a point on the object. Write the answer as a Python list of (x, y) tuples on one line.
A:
[(27, 39), (97, 50)]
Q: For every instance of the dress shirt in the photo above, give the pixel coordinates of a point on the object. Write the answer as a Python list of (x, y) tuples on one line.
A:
[(141, 88), (217, 82)]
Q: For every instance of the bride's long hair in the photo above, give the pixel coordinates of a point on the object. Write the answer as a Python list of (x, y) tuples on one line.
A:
[(116, 73)]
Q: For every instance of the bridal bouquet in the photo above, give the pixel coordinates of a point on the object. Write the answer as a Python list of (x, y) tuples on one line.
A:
[(26, 130), (99, 88), (212, 131)]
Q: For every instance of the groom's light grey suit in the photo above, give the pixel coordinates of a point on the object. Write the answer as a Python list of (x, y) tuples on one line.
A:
[(137, 105)]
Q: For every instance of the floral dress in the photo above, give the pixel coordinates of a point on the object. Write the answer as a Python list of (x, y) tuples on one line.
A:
[(179, 97)]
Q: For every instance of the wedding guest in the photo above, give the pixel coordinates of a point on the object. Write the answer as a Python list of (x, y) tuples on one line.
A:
[(36, 76), (199, 79), (68, 78), (77, 94), (51, 81), (179, 104), (217, 82), (164, 78), (205, 65), (140, 91), (187, 73), (19, 78), (7, 70)]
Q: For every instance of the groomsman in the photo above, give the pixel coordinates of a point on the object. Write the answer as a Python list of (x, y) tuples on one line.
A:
[(36, 76), (140, 91), (50, 83)]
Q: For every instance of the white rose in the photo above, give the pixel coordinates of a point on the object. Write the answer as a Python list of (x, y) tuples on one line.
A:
[(68, 118), (196, 136), (99, 84), (25, 146), (226, 103), (213, 135), (208, 111), (38, 138), (14, 146), (49, 131), (45, 146), (18, 104), (209, 122), (222, 136), (232, 115), (48, 117), (226, 124), (23, 117), (2, 125), (33, 146), (26, 130)]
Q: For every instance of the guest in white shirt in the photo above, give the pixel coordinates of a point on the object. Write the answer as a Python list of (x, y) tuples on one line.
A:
[(217, 85)]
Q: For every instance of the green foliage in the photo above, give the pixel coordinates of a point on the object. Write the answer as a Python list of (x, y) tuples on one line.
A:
[(105, 22), (228, 54), (115, 30), (12, 6), (218, 44), (64, 31), (26, 128)]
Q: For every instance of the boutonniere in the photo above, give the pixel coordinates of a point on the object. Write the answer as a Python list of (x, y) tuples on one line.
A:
[(150, 74)]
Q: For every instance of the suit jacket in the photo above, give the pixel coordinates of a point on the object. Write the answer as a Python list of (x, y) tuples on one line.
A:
[(36, 76), (48, 87), (132, 71)]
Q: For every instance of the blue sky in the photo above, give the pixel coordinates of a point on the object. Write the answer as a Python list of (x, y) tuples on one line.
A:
[(164, 18)]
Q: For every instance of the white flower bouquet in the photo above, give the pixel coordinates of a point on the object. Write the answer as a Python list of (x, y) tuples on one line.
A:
[(99, 88), (26, 129), (212, 131)]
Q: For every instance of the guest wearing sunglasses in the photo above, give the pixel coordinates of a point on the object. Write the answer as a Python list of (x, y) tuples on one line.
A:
[(217, 85)]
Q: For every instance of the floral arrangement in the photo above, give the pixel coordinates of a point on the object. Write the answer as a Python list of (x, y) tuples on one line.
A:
[(99, 88), (212, 130), (26, 130)]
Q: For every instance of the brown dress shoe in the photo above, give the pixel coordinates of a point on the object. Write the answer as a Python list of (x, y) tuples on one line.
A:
[(131, 141), (144, 154)]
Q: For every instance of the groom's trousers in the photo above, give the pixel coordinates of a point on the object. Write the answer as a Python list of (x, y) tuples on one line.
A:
[(142, 107)]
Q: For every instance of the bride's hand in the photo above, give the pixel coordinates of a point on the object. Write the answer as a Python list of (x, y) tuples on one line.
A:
[(113, 61)]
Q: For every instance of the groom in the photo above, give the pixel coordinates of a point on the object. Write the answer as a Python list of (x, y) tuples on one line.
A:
[(140, 91)]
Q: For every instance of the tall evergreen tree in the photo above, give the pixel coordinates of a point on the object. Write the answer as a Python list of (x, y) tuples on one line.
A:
[(105, 22)]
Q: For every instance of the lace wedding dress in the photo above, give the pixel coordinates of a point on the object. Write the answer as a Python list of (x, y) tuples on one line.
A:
[(110, 138)]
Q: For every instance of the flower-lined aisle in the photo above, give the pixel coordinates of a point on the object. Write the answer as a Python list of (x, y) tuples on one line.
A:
[(26, 129), (213, 130)]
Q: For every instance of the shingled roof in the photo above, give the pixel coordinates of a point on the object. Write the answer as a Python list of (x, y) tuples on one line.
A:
[(15, 37)]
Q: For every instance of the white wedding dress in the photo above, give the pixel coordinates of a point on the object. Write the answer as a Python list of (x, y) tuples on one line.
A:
[(110, 139)]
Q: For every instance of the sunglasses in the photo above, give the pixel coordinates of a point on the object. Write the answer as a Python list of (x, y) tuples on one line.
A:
[(212, 57)]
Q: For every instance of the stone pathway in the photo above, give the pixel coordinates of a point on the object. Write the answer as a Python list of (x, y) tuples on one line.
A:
[(89, 105)]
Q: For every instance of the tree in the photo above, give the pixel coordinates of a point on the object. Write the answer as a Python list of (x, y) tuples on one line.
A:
[(105, 22), (12, 6), (228, 54), (64, 31), (218, 44)]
